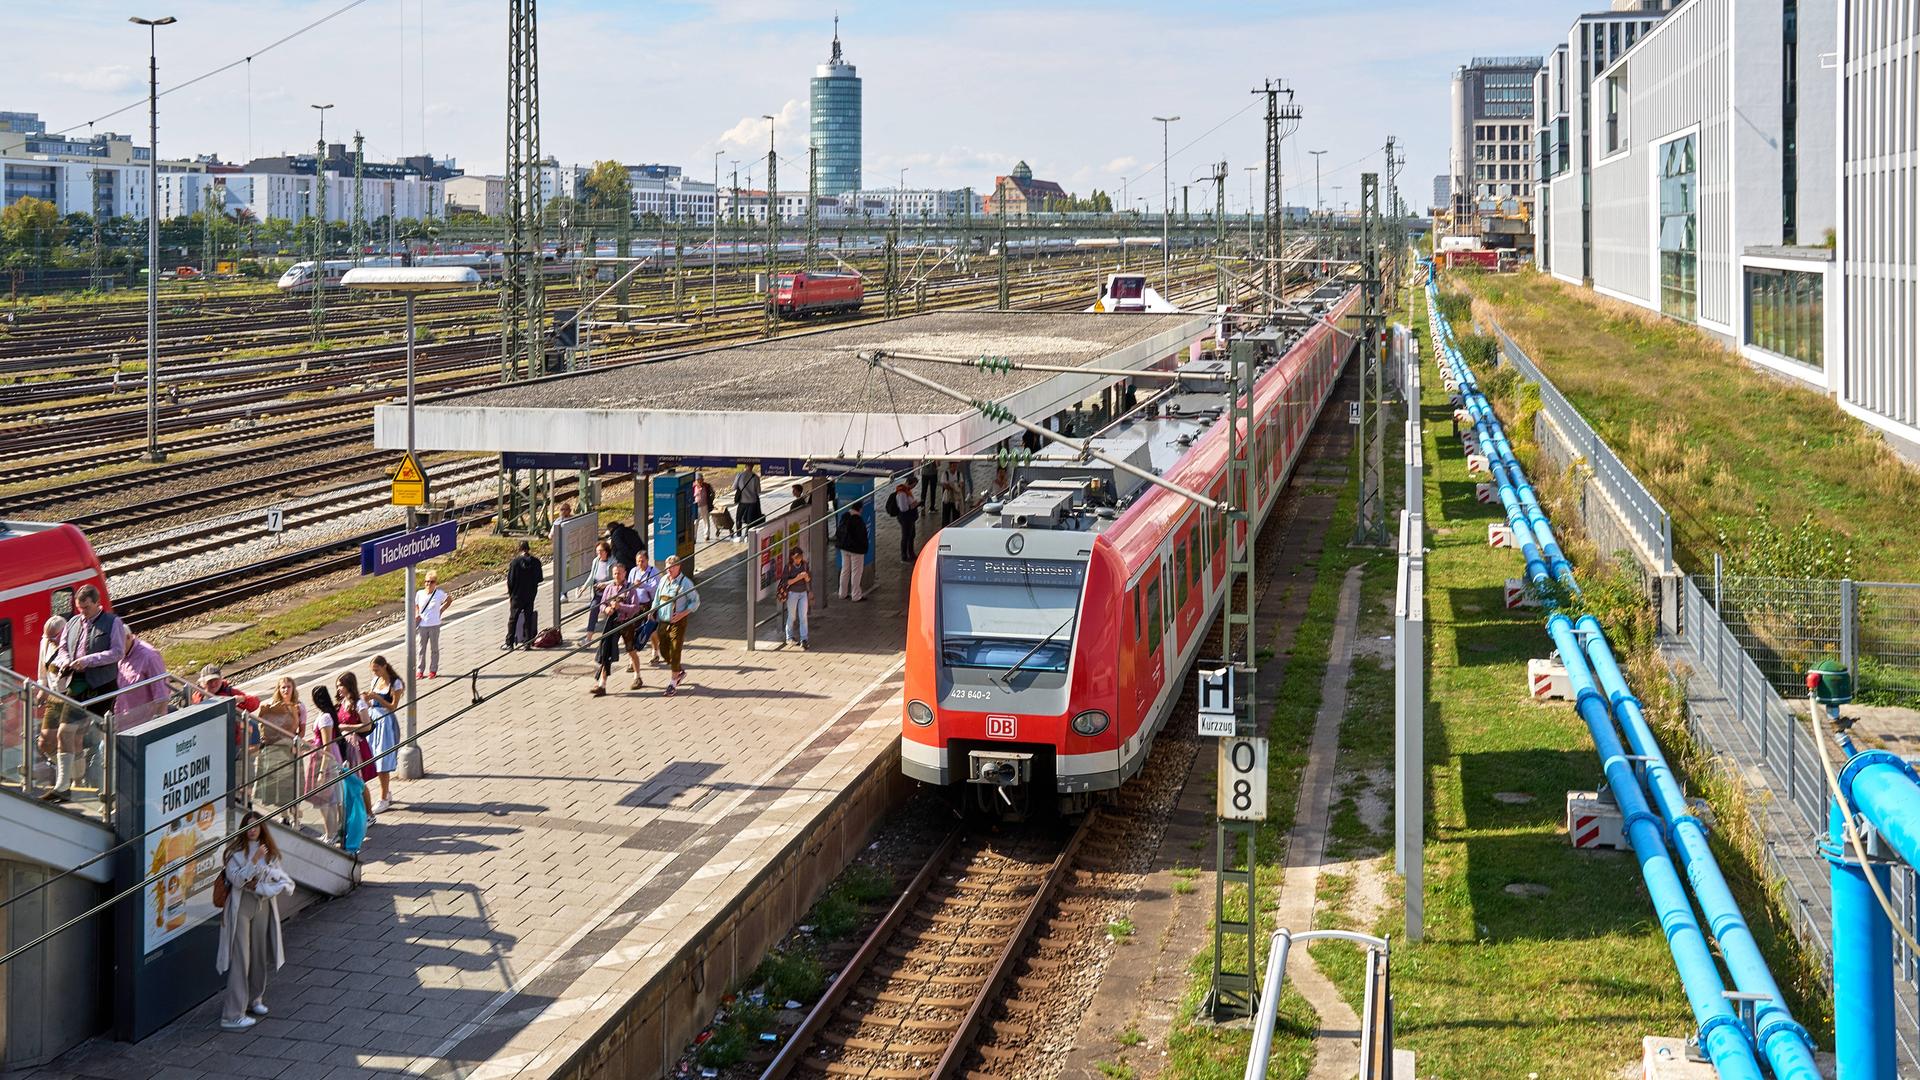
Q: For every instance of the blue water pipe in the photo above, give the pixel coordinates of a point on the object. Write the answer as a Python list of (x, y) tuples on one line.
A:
[(1589, 661), (1863, 1031), (1722, 1035), (1787, 1046)]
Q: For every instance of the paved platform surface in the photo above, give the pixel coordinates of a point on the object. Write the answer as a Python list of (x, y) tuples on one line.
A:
[(560, 848)]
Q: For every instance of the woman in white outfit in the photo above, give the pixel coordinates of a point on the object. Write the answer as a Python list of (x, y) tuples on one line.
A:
[(250, 946)]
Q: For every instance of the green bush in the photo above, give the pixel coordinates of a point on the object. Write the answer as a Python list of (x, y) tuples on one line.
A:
[(791, 975)]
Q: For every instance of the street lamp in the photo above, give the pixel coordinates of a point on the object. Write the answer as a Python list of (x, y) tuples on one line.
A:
[(1166, 205), (713, 256), (411, 281), (153, 231), (1316, 179)]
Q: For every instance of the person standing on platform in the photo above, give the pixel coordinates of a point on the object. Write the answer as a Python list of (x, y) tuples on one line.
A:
[(746, 499), (850, 536), (795, 590), (623, 540), (430, 604), (87, 667), (906, 509), (615, 607), (703, 509), (673, 605), (383, 700), (249, 892), (524, 576), (645, 581), (598, 575), (953, 492), (144, 671)]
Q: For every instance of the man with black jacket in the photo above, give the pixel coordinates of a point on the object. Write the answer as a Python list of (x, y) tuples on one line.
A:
[(625, 542), (850, 536), (524, 575)]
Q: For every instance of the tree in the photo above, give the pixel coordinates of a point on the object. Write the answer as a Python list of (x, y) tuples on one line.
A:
[(608, 187), (28, 226)]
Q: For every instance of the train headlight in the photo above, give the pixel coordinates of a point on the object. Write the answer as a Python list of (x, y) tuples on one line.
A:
[(919, 713), (1091, 722)]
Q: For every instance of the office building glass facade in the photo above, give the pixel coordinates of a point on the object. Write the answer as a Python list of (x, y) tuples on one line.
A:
[(834, 129), (1679, 229), (1784, 313)]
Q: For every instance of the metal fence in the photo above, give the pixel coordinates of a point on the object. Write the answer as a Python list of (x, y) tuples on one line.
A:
[(1645, 518), (1765, 732), (1788, 624), (1410, 656)]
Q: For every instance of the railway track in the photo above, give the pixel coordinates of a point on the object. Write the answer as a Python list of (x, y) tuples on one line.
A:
[(316, 510), (921, 988)]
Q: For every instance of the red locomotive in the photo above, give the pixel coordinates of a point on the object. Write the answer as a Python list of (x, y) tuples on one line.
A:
[(1047, 633), (795, 295)]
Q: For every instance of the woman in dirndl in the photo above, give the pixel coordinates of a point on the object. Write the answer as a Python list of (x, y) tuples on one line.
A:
[(383, 705)]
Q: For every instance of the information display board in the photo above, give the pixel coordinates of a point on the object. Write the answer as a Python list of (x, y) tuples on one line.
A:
[(173, 779)]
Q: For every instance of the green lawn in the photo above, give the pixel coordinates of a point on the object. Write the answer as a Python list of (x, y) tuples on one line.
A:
[(1562, 984), (1717, 442)]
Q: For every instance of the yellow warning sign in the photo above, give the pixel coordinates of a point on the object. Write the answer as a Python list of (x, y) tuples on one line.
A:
[(409, 483)]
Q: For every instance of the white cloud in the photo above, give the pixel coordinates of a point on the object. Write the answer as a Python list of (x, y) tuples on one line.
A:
[(1123, 164), (106, 79)]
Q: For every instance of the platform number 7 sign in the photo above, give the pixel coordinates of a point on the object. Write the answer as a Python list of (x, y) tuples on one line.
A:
[(1243, 779)]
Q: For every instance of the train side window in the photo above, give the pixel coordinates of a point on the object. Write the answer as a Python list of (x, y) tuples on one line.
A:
[(61, 603), (6, 645), (1153, 610), (1181, 578), (1193, 552), (1139, 595)]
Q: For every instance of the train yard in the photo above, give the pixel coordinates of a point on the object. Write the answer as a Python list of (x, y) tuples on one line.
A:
[(244, 432)]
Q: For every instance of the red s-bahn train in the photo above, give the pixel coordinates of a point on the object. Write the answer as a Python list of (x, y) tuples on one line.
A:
[(40, 567), (1047, 633), (795, 295)]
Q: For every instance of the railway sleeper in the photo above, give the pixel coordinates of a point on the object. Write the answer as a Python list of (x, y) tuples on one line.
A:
[(889, 997)]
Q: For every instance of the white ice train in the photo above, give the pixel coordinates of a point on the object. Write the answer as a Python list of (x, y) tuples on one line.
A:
[(300, 276), (1130, 293)]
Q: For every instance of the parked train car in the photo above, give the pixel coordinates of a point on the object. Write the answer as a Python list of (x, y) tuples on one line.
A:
[(300, 276), (40, 567), (813, 293), (1047, 633)]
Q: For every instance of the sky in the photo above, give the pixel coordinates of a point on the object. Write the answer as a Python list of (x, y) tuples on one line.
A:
[(955, 93)]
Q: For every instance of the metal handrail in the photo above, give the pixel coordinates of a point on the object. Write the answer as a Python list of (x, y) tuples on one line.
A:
[(1376, 1011)]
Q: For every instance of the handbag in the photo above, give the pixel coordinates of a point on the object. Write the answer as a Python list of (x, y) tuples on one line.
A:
[(221, 890)]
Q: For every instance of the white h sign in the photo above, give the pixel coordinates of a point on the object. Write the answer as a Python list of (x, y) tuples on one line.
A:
[(1216, 702)]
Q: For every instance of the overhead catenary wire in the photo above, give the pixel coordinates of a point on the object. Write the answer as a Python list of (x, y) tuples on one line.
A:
[(246, 60)]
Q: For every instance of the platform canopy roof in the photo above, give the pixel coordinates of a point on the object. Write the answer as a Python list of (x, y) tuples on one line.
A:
[(805, 395)]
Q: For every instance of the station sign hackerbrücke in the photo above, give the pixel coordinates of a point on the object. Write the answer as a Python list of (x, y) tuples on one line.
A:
[(404, 549)]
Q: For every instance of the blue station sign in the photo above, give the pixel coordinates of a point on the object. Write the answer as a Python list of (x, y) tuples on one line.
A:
[(404, 549)]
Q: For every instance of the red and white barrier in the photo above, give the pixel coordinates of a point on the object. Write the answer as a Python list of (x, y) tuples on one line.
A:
[(1477, 463), (1593, 821), (1484, 492), (1547, 680), (1500, 535), (1519, 596)]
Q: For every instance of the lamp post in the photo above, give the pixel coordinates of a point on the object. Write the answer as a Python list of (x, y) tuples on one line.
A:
[(319, 316), (713, 256), (1316, 179), (410, 281), (1166, 205), (153, 231)]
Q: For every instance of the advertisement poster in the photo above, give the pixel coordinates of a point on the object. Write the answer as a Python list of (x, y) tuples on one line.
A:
[(772, 541), (185, 792)]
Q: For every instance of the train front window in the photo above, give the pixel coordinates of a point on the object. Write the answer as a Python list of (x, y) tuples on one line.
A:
[(1128, 288), (1003, 613), (786, 282)]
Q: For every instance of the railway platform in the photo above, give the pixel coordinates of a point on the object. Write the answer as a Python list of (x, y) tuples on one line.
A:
[(577, 880)]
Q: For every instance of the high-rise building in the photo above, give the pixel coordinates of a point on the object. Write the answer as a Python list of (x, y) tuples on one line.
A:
[(1492, 158), (834, 123), (1442, 191)]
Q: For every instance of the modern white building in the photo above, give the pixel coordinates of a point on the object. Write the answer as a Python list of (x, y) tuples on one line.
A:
[(915, 202), (1492, 140), (671, 198), (290, 196), (1711, 200), (1562, 104), (1876, 181), (102, 174)]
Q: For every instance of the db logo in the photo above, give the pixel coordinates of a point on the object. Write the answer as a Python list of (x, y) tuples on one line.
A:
[(1001, 727)]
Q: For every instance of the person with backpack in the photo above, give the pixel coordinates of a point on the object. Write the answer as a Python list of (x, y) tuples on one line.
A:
[(906, 510), (850, 537), (746, 499), (524, 576)]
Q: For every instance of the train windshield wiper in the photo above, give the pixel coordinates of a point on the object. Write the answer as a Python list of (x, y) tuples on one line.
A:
[(1037, 646)]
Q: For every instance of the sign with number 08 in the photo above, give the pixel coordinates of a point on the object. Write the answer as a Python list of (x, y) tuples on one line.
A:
[(1243, 779)]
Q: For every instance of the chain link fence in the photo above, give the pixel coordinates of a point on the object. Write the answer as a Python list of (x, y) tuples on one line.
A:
[(1788, 624)]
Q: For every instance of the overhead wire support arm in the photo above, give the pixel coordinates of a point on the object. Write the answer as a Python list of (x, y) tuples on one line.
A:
[(993, 410)]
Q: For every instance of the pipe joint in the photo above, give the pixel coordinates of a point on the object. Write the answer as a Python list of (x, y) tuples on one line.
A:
[(1646, 815), (1724, 1020), (1781, 1026), (1673, 828), (1866, 759)]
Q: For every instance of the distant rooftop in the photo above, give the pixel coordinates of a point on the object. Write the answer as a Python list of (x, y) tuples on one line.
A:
[(1507, 62)]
